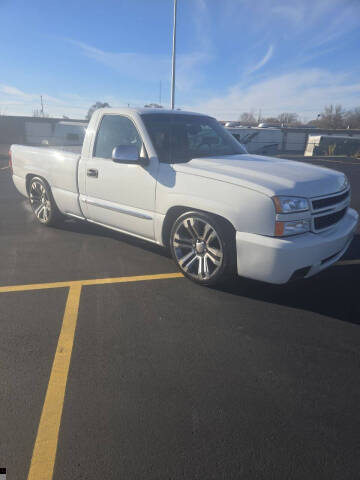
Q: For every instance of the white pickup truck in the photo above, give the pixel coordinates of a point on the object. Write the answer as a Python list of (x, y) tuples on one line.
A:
[(181, 180)]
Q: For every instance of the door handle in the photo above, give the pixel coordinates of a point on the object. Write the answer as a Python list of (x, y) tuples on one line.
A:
[(92, 172)]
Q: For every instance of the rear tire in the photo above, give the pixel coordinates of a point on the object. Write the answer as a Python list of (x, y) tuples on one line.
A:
[(42, 202), (203, 247)]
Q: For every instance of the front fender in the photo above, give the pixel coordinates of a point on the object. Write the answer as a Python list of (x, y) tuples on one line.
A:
[(247, 210)]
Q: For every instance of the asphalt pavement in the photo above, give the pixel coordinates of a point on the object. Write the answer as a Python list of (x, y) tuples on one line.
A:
[(169, 380)]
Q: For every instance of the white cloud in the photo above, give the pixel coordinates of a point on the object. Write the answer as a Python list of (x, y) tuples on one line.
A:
[(12, 91), (294, 13), (14, 101), (263, 61), (152, 67), (17, 102), (304, 91)]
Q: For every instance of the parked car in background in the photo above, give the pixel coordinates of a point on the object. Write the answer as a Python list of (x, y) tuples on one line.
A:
[(233, 124), (258, 140), (269, 125), (332, 145)]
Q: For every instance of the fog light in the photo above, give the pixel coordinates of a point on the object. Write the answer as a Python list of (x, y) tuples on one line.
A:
[(294, 227)]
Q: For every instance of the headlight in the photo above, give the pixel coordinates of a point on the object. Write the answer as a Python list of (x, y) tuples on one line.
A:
[(290, 204), (283, 229)]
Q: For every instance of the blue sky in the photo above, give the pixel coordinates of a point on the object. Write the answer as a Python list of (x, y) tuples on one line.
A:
[(233, 55)]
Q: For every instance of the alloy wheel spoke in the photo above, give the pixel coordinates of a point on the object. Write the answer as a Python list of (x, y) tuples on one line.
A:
[(46, 212), (43, 212), (189, 224), (211, 237), (206, 266), (39, 209), (190, 263), (207, 230), (201, 267), (185, 258), (213, 258), (216, 252), (183, 242)]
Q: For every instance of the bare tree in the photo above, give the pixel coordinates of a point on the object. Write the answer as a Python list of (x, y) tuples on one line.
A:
[(352, 118), (271, 120), (94, 107), (333, 116), (248, 118), (287, 118), (153, 105), (38, 113)]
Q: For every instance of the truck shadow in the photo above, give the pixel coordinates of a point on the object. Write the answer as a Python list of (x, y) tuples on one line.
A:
[(87, 228), (334, 292)]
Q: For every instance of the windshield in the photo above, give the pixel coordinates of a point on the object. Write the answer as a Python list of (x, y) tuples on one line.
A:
[(178, 138)]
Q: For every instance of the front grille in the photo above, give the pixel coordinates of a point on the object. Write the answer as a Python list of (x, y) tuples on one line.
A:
[(328, 220), (327, 202)]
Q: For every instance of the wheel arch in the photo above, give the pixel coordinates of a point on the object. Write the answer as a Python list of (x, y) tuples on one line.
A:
[(30, 176), (174, 212)]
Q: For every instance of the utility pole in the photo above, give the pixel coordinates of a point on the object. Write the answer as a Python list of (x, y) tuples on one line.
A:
[(42, 106), (160, 94), (173, 60)]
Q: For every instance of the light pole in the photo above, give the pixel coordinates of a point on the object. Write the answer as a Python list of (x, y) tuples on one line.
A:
[(173, 60)]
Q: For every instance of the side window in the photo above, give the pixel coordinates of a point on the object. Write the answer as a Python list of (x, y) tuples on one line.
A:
[(115, 130)]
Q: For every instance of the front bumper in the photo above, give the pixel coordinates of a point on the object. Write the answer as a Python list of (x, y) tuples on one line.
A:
[(275, 260)]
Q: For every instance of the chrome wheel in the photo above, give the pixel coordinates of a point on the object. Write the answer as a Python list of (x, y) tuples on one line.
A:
[(40, 201), (197, 248)]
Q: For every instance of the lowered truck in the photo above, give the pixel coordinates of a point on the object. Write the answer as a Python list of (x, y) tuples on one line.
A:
[(182, 181)]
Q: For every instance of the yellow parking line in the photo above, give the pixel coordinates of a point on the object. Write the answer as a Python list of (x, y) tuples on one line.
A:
[(139, 278), (37, 286), (44, 453), (348, 262), (46, 442), (95, 281)]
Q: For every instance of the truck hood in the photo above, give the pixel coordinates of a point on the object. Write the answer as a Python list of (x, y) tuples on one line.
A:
[(268, 175)]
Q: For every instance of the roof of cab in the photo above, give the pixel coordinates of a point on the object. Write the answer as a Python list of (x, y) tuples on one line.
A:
[(146, 110)]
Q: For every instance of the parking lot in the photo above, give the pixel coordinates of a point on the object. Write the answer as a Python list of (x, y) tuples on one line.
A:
[(115, 367)]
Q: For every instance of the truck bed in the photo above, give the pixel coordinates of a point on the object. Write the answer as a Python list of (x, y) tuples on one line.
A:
[(58, 166)]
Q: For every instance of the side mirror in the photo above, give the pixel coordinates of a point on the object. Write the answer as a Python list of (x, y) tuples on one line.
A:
[(128, 154), (125, 154)]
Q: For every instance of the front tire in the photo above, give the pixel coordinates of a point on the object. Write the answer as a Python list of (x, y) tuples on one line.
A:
[(203, 247), (42, 202)]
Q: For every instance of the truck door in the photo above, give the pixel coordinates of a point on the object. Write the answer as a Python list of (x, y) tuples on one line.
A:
[(117, 194)]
